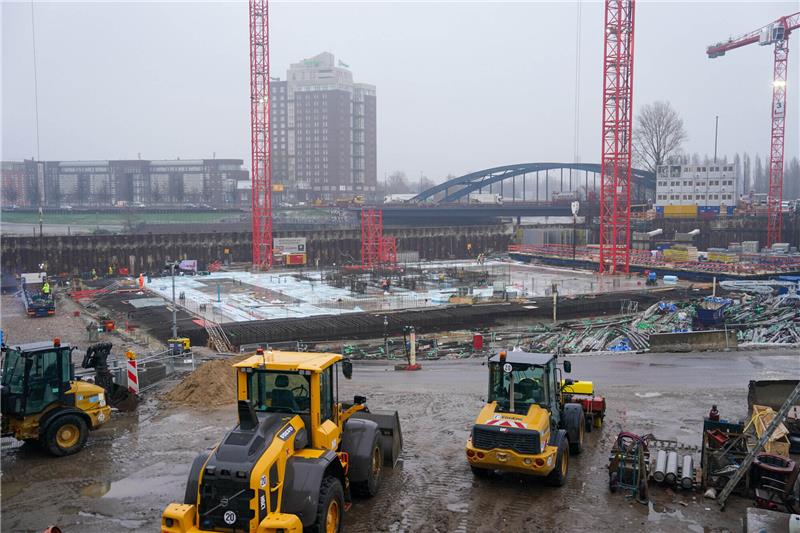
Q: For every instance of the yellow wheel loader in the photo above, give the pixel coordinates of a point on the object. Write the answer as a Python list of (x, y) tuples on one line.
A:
[(526, 426), (43, 403), (296, 455)]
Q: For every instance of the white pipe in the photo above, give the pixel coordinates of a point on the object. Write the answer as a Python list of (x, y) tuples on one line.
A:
[(672, 467), (687, 479), (661, 466), (694, 232), (655, 232)]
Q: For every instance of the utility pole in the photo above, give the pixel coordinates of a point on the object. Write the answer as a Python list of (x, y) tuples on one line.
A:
[(41, 236)]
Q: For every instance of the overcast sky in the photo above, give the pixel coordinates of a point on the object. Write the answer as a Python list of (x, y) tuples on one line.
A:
[(461, 85)]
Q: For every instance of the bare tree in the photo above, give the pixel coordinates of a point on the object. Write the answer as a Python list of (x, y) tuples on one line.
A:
[(425, 183), (397, 183), (658, 134)]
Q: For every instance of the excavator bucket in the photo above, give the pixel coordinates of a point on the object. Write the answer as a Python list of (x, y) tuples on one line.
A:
[(391, 435)]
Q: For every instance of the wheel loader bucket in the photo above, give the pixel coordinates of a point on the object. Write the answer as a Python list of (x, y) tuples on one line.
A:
[(391, 435), (121, 399)]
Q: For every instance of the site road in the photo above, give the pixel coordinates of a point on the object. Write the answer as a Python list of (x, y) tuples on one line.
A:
[(137, 463)]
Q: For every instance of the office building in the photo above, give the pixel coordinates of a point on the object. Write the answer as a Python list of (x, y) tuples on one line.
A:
[(708, 185), (122, 182)]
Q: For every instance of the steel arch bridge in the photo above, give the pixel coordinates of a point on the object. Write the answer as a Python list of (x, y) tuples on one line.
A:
[(643, 180)]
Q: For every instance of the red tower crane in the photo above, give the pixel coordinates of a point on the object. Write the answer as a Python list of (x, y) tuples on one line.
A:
[(776, 33), (261, 167), (615, 172)]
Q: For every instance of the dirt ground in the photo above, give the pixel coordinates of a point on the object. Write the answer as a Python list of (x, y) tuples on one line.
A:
[(138, 462)]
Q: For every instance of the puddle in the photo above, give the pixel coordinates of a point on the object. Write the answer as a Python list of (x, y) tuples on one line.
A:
[(648, 395), (135, 487), (127, 523), (96, 489), (658, 513)]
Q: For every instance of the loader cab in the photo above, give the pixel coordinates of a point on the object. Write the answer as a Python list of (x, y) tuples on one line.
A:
[(295, 383), (519, 380), (35, 375)]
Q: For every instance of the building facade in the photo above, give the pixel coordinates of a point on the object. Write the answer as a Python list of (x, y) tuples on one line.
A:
[(323, 134), (122, 182), (709, 185)]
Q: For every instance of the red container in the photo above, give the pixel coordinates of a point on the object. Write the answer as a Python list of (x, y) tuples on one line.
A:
[(295, 259), (477, 341)]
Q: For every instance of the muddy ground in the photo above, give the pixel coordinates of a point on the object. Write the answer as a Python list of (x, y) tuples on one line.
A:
[(138, 462)]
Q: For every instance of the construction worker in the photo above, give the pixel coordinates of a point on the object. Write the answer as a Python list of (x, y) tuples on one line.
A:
[(46, 288)]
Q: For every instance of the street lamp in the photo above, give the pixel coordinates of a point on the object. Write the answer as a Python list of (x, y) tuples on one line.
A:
[(575, 206), (385, 336), (174, 308)]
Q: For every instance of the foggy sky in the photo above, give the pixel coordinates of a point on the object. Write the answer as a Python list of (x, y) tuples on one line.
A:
[(461, 86)]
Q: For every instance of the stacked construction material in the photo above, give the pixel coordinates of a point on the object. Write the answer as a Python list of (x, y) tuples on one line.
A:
[(760, 320)]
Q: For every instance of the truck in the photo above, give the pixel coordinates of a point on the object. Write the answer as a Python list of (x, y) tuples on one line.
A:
[(533, 419), (564, 197), (485, 198), (295, 456), (36, 296), (398, 198)]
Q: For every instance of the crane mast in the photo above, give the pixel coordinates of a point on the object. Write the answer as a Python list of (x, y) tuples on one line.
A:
[(615, 173), (776, 33), (261, 166)]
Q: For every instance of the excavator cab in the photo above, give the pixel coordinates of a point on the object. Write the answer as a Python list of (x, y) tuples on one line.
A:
[(42, 402)]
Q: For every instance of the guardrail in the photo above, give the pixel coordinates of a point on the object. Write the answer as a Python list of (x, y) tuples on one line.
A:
[(153, 368)]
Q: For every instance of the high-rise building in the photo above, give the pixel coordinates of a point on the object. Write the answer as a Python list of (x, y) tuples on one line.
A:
[(323, 137)]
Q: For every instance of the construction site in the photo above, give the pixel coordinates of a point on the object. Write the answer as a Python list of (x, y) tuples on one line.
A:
[(461, 359)]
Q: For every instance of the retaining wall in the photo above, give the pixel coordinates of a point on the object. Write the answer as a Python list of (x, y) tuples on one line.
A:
[(694, 341), (148, 252)]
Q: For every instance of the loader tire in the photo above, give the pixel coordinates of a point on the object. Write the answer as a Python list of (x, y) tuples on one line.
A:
[(481, 472), (575, 424), (558, 477), (330, 507), (369, 487), (65, 435)]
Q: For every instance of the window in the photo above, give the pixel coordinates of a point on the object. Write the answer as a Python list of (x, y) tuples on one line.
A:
[(44, 383), (525, 384), (275, 391), (14, 372), (326, 394)]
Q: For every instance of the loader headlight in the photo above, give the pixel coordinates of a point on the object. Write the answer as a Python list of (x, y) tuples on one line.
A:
[(168, 522)]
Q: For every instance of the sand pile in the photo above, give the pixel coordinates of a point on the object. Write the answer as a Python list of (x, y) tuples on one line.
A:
[(212, 384)]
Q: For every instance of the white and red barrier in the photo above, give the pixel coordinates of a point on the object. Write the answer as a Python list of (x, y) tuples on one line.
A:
[(133, 373)]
